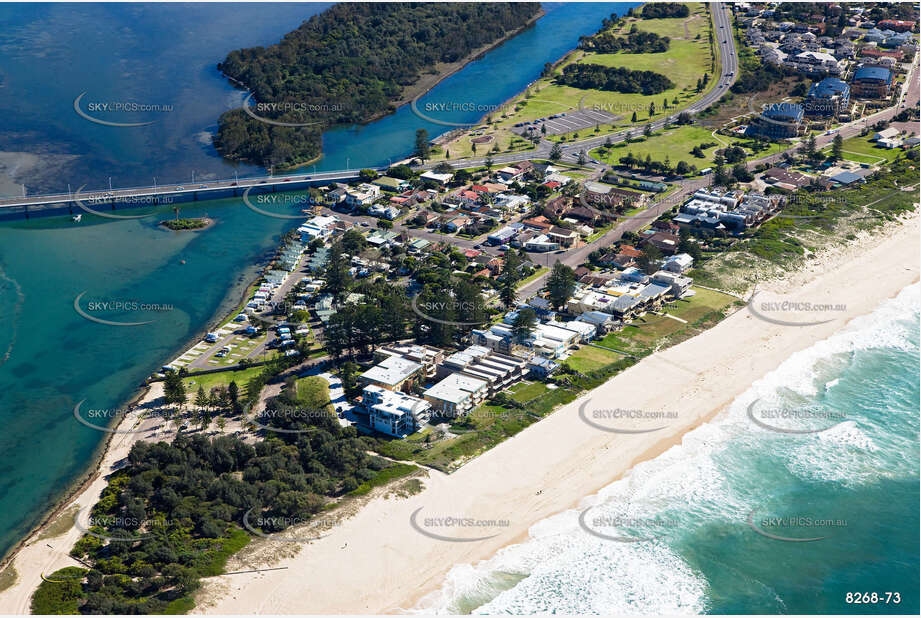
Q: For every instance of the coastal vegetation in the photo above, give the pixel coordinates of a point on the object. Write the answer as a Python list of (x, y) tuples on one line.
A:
[(658, 10), (689, 63), (615, 79), (185, 224), (175, 512), (349, 64)]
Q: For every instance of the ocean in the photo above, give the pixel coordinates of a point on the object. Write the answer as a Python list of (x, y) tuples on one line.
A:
[(165, 54), (717, 524)]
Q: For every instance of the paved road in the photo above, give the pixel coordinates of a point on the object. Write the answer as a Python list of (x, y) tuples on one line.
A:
[(729, 64), (729, 67), (202, 188), (908, 97)]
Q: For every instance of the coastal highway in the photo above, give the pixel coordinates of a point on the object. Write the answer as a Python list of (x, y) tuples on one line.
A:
[(141, 196), (908, 97), (729, 68)]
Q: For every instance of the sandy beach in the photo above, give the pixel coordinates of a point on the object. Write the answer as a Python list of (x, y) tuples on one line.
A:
[(387, 557), (43, 554), (378, 562)]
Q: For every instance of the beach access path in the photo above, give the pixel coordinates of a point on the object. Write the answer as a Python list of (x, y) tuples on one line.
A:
[(378, 562)]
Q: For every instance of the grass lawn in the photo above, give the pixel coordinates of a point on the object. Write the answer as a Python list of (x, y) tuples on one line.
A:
[(313, 393), (524, 392), (589, 358), (684, 63), (537, 273), (220, 378), (864, 150), (648, 333), (676, 143)]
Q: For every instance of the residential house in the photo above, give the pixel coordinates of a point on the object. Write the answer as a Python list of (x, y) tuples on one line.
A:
[(394, 373), (458, 224), (317, 227), (539, 223), (829, 97), (390, 184), (663, 241), (392, 413), (509, 174), (887, 133), (897, 25), (678, 284), (456, 395), (678, 263), (542, 368), (541, 244), (563, 236), (384, 211), (362, 195), (606, 195), (439, 179), (872, 82)]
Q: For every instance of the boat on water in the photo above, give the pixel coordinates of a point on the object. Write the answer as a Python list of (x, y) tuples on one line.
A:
[(77, 218)]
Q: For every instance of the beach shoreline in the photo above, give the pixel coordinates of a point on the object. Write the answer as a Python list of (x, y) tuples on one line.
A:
[(31, 557), (376, 562), (245, 594), (141, 397)]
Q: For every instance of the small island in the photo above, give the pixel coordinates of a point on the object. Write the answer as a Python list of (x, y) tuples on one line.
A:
[(179, 225)]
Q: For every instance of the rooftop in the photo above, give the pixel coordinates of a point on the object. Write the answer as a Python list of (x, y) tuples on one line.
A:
[(392, 370), (456, 388), (874, 73)]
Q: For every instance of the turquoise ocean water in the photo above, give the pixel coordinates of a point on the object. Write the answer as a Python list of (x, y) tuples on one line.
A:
[(856, 484), (50, 358)]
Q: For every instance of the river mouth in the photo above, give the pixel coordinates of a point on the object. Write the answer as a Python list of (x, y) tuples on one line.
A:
[(58, 358)]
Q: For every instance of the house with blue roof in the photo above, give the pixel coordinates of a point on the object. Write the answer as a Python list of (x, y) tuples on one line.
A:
[(870, 81), (778, 121), (827, 98)]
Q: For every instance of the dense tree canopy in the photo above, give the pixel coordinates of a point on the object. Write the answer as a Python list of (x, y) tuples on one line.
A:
[(655, 10), (616, 79), (636, 42), (176, 511), (349, 64)]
